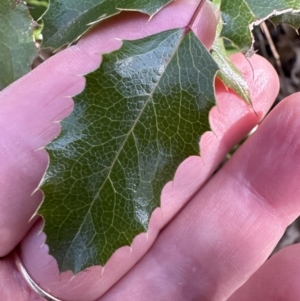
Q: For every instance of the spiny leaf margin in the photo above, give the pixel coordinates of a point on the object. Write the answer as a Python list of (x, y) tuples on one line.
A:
[(162, 97), (67, 20), (229, 73), (240, 16)]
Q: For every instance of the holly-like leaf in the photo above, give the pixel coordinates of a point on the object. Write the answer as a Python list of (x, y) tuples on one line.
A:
[(141, 114), (228, 72), (239, 17), (67, 20), (293, 19), (17, 49)]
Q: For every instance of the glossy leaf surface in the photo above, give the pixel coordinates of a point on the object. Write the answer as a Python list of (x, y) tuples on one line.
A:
[(67, 20), (141, 114), (17, 48)]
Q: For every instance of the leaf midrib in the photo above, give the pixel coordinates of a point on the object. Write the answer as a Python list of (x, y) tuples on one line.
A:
[(127, 135)]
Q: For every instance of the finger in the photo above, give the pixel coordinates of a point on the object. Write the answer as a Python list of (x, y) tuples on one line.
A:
[(135, 26), (277, 279), (226, 122), (28, 109), (12, 285), (230, 121), (31, 107), (231, 226)]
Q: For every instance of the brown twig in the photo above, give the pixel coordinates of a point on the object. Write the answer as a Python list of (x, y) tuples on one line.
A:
[(271, 44)]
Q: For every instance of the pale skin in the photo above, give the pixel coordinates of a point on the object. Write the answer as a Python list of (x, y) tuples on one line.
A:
[(217, 231)]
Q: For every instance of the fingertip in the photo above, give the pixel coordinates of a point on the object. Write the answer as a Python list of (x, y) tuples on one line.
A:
[(261, 77), (292, 101), (276, 279), (231, 111)]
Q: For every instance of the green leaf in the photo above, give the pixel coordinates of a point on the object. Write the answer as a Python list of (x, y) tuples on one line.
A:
[(239, 17), (228, 73), (292, 19), (141, 114), (17, 49), (67, 20), (37, 8)]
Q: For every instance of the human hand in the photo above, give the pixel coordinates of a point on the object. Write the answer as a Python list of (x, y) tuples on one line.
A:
[(214, 238)]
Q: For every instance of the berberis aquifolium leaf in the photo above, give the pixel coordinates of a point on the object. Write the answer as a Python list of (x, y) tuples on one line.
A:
[(239, 17), (141, 114), (228, 72), (17, 49), (67, 20)]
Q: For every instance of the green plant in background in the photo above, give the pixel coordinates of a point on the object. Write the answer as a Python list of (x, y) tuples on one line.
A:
[(17, 49), (122, 144), (37, 8)]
